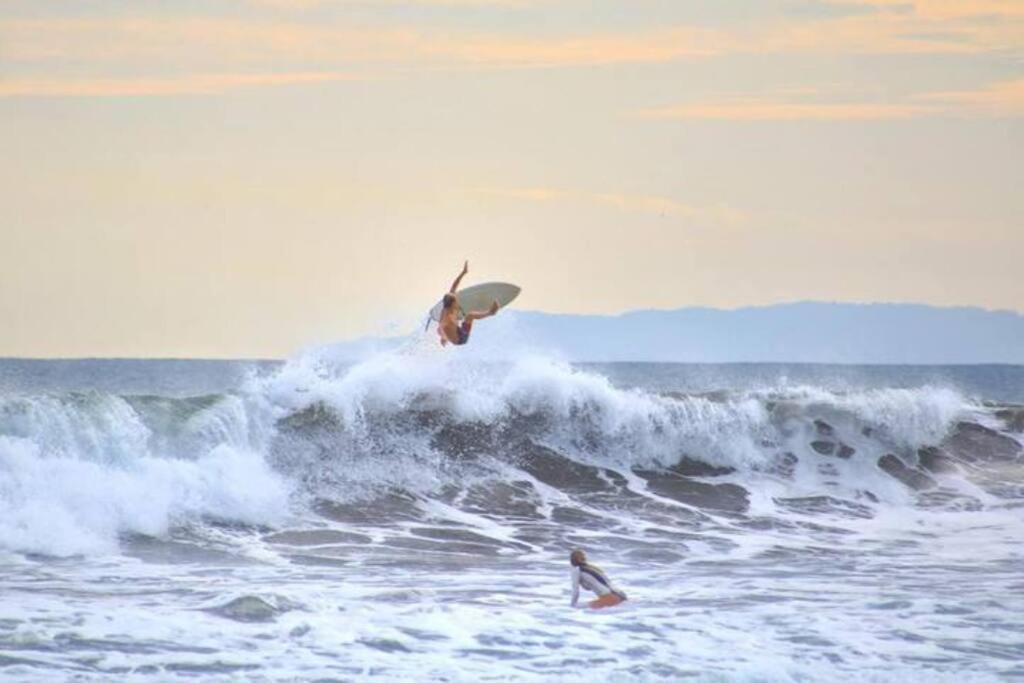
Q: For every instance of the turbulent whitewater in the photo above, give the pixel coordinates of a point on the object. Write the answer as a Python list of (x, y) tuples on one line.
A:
[(410, 517)]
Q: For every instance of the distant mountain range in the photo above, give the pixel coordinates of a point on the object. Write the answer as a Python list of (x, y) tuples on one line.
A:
[(809, 332)]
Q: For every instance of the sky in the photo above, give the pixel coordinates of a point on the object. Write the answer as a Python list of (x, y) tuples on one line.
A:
[(246, 178)]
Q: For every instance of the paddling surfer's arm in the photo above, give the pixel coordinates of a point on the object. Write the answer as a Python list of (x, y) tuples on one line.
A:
[(575, 571), (455, 285)]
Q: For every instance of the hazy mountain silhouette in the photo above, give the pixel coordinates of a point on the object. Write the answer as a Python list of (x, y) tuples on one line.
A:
[(804, 332), (810, 332)]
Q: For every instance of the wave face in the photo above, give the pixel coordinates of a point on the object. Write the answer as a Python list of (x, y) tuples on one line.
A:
[(81, 469), (397, 488)]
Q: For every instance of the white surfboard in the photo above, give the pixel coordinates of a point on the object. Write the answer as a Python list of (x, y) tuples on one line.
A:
[(479, 298)]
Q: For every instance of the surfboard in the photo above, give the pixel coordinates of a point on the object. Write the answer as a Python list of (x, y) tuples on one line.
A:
[(479, 298)]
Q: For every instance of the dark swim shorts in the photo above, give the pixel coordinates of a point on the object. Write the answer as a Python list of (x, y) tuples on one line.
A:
[(464, 330)]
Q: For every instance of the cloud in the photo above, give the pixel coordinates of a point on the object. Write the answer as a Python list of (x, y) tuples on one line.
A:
[(166, 54), (1005, 99), (761, 110), (196, 84), (926, 9), (629, 203), (925, 26), (942, 10), (647, 47), (223, 41), (308, 4), (333, 44)]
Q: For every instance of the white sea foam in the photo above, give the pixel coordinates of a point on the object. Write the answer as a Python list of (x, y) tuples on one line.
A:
[(83, 468), (452, 561), (59, 504)]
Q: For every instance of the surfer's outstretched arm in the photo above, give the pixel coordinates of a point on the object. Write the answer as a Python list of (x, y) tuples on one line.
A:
[(575, 586), (455, 285)]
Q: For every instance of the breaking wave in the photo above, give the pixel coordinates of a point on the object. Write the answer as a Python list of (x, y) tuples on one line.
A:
[(402, 433)]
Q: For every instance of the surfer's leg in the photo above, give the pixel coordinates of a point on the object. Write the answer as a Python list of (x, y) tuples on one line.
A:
[(478, 315), (607, 600)]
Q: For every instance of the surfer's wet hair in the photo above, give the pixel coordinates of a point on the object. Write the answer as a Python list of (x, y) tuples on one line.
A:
[(577, 557), (449, 300)]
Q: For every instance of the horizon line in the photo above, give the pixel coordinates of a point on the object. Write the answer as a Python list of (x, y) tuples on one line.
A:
[(214, 359)]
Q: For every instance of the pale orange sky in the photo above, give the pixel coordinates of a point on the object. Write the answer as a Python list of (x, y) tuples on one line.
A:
[(246, 178)]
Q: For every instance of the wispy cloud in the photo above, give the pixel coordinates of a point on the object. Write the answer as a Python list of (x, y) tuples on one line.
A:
[(209, 40), (196, 84), (625, 202), (762, 110), (1005, 99), (924, 26), (307, 4), (159, 50), (222, 41), (940, 10), (928, 9)]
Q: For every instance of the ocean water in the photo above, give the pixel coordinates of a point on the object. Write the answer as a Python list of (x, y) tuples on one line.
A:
[(409, 517)]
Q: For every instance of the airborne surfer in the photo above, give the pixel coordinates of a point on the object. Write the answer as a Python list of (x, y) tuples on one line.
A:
[(448, 327), (594, 580)]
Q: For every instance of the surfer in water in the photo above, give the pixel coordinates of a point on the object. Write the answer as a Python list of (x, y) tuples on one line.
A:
[(594, 580), (448, 327)]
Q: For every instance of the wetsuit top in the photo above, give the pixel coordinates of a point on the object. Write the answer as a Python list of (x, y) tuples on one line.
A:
[(592, 579)]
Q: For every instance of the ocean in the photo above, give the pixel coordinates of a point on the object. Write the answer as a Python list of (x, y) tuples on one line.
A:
[(409, 517)]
